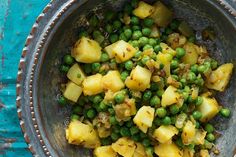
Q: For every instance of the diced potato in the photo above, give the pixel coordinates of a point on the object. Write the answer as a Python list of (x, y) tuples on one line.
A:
[(125, 110), (143, 10), (139, 79), (103, 132), (185, 29), (167, 49), (144, 118), (123, 51), (188, 152), (112, 81), (176, 40), (109, 50), (72, 91), (92, 85), (104, 151), (188, 133), (219, 78), (86, 51), (209, 108), (170, 96), (165, 133), (204, 153), (168, 150), (82, 134), (124, 146), (76, 74), (199, 136), (139, 151), (191, 55), (155, 33), (164, 58), (162, 15)]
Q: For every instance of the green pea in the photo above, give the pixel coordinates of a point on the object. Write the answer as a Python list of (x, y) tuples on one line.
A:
[(96, 33), (106, 141), (190, 99), (191, 146), (129, 123), (74, 117), (149, 151), (168, 31), (148, 22), (113, 120), (166, 120), (138, 54), (209, 128), (143, 41), (145, 59), (96, 67), (174, 64), (93, 21), (77, 110), (64, 68), (157, 48), (192, 39), (104, 57), (191, 76), (136, 28), (174, 24), (174, 109), (210, 137), (155, 101), (207, 144), (201, 68), (68, 59), (129, 65), (197, 125), (161, 112), (111, 111), (214, 64), (147, 95), (134, 130), (103, 106), (183, 81), (146, 31), (125, 132), (128, 33), (199, 101), (87, 68), (136, 35), (199, 81), (83, 34), (136, 137), (179, 142), (194, 68), (146, 142), (160, 92), (147, 47), (142, 135), (119, 98), (117, 24), (123, 37), (157, 121), (128, 9), (100, 39), (197, 115), (175, 77), (97, 99), (154, 86), (164, 37), (180, 52), (173, 120), (152, 42), (113, 38), (91, 113), (124, 75), (62, 101), (115, 136), (109, 28), (134, 20), (225, 112), (135, 43)]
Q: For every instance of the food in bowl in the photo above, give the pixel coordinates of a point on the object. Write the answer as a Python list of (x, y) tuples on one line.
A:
[(141, 85)]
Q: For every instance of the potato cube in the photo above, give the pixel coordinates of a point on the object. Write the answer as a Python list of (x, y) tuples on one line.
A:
[(72, 91), (82, 134), (139, 151), (164, 58), (76, 74), (86, 51), (167, 49), (161, 15), (219, 78), (191, 55), (188, 133), (123, 51), (144, 118), (188, 152), (124, 146), (92, 85), (139, 79), (204, 153), (168, 150), (109, 50), (104, 151), (170, 96), (209, 108), (199, 136), (165, 133), (143, 10), (112, 81)]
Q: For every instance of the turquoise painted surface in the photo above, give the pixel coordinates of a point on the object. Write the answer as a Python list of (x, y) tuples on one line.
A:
[(16, 19)]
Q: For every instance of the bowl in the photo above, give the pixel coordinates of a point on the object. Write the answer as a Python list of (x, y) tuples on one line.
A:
[(43, 121)]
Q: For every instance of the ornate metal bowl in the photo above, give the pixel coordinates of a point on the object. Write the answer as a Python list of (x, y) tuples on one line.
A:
[(55, 31)]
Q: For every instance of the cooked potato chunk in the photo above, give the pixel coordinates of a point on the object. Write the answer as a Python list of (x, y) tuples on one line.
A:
[(104, 151), (92, 85), (109, 50), (72, 91), (76, 74), (139, 151), (164, 58), (188, 152), (103, 132), (191, 55), (86, 51), (162, 15), (112, 81), (204, 153), (219, 78), (123, 51), (82, 134), (188, 133), (168, 150), (199, 136), (144, 118), (143, 10), (209, 108), (165, 133), (170, 96), (124, 146), (167, 49), (176, 40), (139, 79)]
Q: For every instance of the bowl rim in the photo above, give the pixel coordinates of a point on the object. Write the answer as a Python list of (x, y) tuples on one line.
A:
[(23, 67)]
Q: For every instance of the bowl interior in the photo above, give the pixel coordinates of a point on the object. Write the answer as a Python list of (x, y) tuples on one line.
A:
[(199, 14)]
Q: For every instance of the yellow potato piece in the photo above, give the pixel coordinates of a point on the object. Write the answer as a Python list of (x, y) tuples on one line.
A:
[(76, 74), (72, 91), (104, 151), (143, 10), (165, 133), (188, 152), (168, 150), (170, 96), (112, 81), (188, 133), (109, 50), (92, 85), (124, 146), (191, 55), (139, 151)]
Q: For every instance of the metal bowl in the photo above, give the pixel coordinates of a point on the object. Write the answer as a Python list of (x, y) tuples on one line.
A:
[(56, 30)]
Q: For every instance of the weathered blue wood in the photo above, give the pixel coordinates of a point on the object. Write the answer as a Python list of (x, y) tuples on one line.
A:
[(16, 19)]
